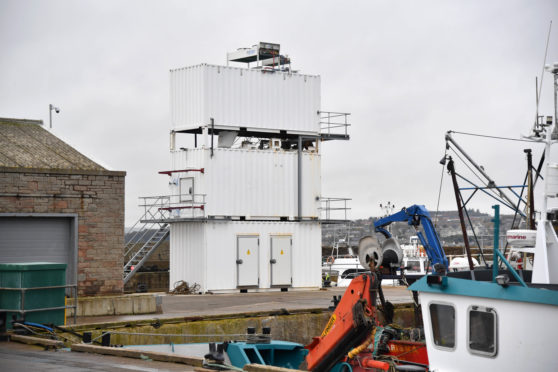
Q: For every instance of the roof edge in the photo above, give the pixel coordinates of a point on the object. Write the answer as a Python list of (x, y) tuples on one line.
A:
[(91, 172), (199, 65), (20, 121)]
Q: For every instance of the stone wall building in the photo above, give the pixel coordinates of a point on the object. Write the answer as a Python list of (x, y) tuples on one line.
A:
[(56, 205)]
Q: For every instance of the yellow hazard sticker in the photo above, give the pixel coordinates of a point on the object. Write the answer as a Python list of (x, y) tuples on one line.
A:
[(281, 251), (328, 326), (248, 252)]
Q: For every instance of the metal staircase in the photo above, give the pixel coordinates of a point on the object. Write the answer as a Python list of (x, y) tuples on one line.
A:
[(150, 233)]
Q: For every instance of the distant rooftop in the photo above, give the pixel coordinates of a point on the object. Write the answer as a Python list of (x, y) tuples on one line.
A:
[(26, 144)]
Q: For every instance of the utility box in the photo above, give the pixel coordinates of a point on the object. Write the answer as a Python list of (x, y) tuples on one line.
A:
[(16, 281)]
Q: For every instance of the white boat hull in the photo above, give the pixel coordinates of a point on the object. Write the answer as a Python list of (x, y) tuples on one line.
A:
[(526, 336)]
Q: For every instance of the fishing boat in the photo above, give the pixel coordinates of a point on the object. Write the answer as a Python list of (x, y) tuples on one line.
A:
[(500, 320), (414, 263), (341, 269)]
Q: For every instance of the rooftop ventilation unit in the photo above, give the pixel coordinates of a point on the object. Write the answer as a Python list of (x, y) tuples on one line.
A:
[(264, 54)]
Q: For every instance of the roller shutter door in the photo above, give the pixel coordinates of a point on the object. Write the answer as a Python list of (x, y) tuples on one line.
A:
[(38, 239)]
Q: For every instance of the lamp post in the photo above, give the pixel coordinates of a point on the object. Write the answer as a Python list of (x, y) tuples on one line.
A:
[(388, 210), (50, 108)]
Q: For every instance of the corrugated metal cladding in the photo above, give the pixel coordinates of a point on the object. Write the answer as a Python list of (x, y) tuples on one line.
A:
[(39, 239), (187, 253), (243, 97), (252, 183)]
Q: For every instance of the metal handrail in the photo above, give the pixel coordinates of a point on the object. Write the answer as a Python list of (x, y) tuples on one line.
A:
[(140, 234), (330, 123), (23, 290), (174, 202), (326, 206)]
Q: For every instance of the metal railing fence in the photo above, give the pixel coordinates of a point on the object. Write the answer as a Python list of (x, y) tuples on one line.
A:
[(23, 311)]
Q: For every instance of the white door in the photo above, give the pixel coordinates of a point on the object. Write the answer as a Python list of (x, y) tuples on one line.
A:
[(247, 261), (187, 189), (281, 274)]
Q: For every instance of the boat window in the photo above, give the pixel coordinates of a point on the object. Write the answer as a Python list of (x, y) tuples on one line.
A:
[(482, 331), (413, 265), (442, 317)]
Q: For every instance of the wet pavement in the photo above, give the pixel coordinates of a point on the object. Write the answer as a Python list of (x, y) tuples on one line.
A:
[(21, 357), (175, 306)]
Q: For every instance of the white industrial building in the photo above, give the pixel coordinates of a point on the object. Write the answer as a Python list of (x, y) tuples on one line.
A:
[(245, 206)]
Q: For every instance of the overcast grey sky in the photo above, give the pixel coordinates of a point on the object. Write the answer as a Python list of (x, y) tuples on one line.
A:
[(407, 71)]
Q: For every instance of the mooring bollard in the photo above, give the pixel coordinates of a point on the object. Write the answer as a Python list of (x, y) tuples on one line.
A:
[(105, 340)]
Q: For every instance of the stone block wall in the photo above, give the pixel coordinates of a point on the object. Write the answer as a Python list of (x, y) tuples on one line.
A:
[(98, 199)]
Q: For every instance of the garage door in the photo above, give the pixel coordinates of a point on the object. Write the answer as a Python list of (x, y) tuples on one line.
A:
[(38, 239)]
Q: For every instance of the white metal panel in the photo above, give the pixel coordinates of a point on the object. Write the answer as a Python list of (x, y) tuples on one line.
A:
[(243, 97), (187, 254), (252, 183), (187, 96), (186, 159), (221, 246), (281, 260), (551, 184), (514, 353), (247, 260)]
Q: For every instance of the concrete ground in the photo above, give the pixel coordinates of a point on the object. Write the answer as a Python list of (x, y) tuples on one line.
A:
[(175, 306), (20, 357)]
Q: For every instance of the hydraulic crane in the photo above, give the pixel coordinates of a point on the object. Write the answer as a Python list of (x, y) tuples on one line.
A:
[(415, 216), (355, 316), (351, 323)]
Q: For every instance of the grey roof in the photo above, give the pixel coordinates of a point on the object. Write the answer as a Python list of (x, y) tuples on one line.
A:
[(26, 144)]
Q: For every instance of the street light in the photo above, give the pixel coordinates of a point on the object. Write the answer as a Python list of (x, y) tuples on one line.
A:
[(50, 108), (387, 208)]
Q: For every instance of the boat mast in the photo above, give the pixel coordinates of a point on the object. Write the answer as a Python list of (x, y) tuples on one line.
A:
[(451, 169), (548, 140), (530, 193)]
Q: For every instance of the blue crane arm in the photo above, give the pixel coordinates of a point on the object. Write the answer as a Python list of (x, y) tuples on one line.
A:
[(416, 215)]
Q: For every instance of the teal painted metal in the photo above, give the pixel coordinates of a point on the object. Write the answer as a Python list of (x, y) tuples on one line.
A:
[(471, 288), (342, 367), (276, 353), (18, 278), (497, 254), (377, 336), (510, 268), (496, 221)]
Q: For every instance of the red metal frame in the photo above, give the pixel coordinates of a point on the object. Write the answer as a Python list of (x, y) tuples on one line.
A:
[(185, 207), (349, 326), (409, 351), (202, 170)]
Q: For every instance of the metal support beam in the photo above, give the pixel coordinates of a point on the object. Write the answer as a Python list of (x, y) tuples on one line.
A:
[(530, 197), (451, 169), (496, 247), (299, 178), (491, 182), (212, 133)]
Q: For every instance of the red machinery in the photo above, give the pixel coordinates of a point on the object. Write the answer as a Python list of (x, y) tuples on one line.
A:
[(349, 332)]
